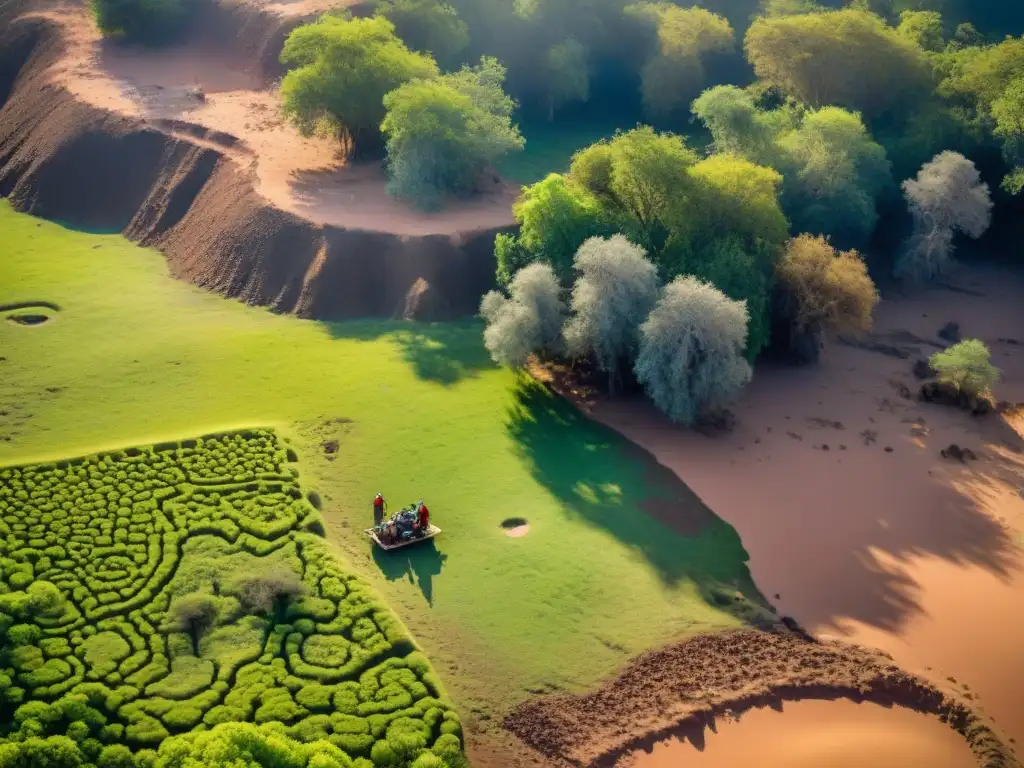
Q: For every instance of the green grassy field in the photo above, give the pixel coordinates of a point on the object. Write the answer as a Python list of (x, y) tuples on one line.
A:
[(133, 356)]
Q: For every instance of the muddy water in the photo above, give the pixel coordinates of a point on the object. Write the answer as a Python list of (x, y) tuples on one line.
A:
[(817, 734)]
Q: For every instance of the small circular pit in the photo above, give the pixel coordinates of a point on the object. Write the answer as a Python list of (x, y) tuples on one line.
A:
[(515, 526)]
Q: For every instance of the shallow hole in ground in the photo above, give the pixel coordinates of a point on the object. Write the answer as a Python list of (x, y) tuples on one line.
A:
[(515, 526), (28, 319)]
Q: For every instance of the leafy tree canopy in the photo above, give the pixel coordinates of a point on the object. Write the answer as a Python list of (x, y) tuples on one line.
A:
[(674, 72), (442, 133), (428, 26), (146, 21), (849, 58), (340, 70), (833, 171)]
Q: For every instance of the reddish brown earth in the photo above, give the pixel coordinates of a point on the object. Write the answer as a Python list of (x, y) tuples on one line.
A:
[(855, 522), (113, 137)]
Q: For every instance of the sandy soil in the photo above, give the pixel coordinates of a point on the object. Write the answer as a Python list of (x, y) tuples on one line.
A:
[(305, 176), (855, 525), (812, 734)]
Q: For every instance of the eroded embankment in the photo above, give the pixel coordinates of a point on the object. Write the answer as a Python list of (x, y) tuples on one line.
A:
[(666, 691), (69, 161)]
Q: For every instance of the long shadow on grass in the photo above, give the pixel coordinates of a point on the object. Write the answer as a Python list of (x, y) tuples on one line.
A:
[(419, 563), (613, 484), (444, 353)]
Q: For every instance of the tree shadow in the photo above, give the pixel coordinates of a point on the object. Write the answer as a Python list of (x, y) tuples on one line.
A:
[(419, 563), (443, 353), (614, 485)]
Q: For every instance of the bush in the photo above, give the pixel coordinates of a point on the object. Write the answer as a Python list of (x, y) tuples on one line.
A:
[(270, 592), (691, 350), (967, 368), (443, 133), (948, 196), (614, 294), (340, 70), (194, 614), (147, 21), (824, 289), (528, 322)]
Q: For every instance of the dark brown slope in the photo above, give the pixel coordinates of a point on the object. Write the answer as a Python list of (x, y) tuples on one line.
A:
[(69, 161)]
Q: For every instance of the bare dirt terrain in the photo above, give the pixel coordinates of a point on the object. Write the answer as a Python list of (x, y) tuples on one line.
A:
[(303, 175), (855, 522), (184, 148)]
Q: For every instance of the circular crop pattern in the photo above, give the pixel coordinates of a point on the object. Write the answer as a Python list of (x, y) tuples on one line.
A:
[(160, 588)]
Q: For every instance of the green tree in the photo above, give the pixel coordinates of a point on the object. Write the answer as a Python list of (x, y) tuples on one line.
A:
[(443, 133), (555, 216), (429, 27), (924, 29), (35, 752), (674, 72), (339, 71), (146, 21), (640, 178), (567, 73), (194, 614), (967, 367), (833, 170), (849, 58)]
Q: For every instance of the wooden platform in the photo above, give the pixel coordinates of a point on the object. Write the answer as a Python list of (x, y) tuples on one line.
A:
[(432, 531)]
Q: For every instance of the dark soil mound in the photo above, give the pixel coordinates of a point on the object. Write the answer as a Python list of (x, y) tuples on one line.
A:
[(956, 453), (662, 692), (942, 393), (66, 160)]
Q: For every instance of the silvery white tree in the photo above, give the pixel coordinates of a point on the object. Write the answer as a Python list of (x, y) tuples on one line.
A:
[(529, 320), (691, 350), (947, 196), (616, 289)]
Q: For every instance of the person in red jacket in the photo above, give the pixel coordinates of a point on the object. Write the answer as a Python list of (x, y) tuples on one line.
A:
[(424, 513), (378, 509)]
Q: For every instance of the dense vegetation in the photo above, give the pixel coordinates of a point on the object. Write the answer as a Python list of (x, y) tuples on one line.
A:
[(149, 592)]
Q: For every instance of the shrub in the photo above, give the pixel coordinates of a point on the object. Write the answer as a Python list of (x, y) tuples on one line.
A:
[(527, 322), (147, 21), (614, 294), (443, 133), (966, 367), (340, 70), (948, 196), (691, 350), (270, 592), (824, 289)]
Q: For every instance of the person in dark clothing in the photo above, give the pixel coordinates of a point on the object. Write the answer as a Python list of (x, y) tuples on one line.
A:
[(378, 509), (424, 517)]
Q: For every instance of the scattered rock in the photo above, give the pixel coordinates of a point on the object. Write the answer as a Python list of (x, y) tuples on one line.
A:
[(824, 446), (869, 436), (923, 369), (1011, 342), (819, 422), (888, 449), (956, 453), (950, 332), (718, 421), (795, 436), (842, 447)]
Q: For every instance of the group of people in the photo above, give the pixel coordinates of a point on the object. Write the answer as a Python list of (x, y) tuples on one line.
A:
[(410, 522)]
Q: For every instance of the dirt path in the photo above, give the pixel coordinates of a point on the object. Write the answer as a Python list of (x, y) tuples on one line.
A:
[(855, 524)]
